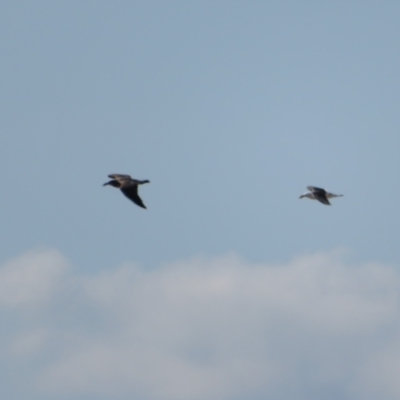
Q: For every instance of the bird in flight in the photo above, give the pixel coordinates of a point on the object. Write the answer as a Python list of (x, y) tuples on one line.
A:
[(319, 194), (128, 186)]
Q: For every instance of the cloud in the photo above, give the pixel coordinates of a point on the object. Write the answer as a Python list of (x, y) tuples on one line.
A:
[(29, 279), (220, 328)]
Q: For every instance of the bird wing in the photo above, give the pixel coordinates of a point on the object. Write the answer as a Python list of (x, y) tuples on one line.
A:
[(316, 189), (131, 192), (119, 177), (321, 196)]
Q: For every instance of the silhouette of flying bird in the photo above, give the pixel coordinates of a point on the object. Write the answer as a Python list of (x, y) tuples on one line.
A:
[(128, 186), (319, 194)]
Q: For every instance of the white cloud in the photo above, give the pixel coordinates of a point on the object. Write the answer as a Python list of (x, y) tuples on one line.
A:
[(31, 278), (217, 328)]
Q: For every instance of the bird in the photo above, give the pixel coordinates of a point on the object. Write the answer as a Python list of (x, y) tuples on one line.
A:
[(316, 193), (128, 186)]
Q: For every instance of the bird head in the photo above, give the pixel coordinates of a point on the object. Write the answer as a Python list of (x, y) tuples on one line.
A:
[(113, 183)]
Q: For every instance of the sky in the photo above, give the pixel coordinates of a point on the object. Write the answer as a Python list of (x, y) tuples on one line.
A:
[(227, 287)]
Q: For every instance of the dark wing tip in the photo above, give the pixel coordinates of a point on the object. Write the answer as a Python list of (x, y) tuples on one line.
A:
[(323, 200), (131, 193)]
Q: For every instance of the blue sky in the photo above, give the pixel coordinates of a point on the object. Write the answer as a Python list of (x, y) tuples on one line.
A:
[(230, 109)]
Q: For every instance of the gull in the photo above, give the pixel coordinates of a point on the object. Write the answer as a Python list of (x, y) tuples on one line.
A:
[(128, 186), (319, 194)]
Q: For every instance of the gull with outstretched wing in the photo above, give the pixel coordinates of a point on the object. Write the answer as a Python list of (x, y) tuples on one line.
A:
[(316, 193), (128, 186)]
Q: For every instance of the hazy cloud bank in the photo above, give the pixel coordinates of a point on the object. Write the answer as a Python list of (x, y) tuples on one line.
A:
[(221, 328)]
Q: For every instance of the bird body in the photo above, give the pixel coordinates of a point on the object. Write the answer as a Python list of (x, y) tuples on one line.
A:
[(128, 186), (316, 193)]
